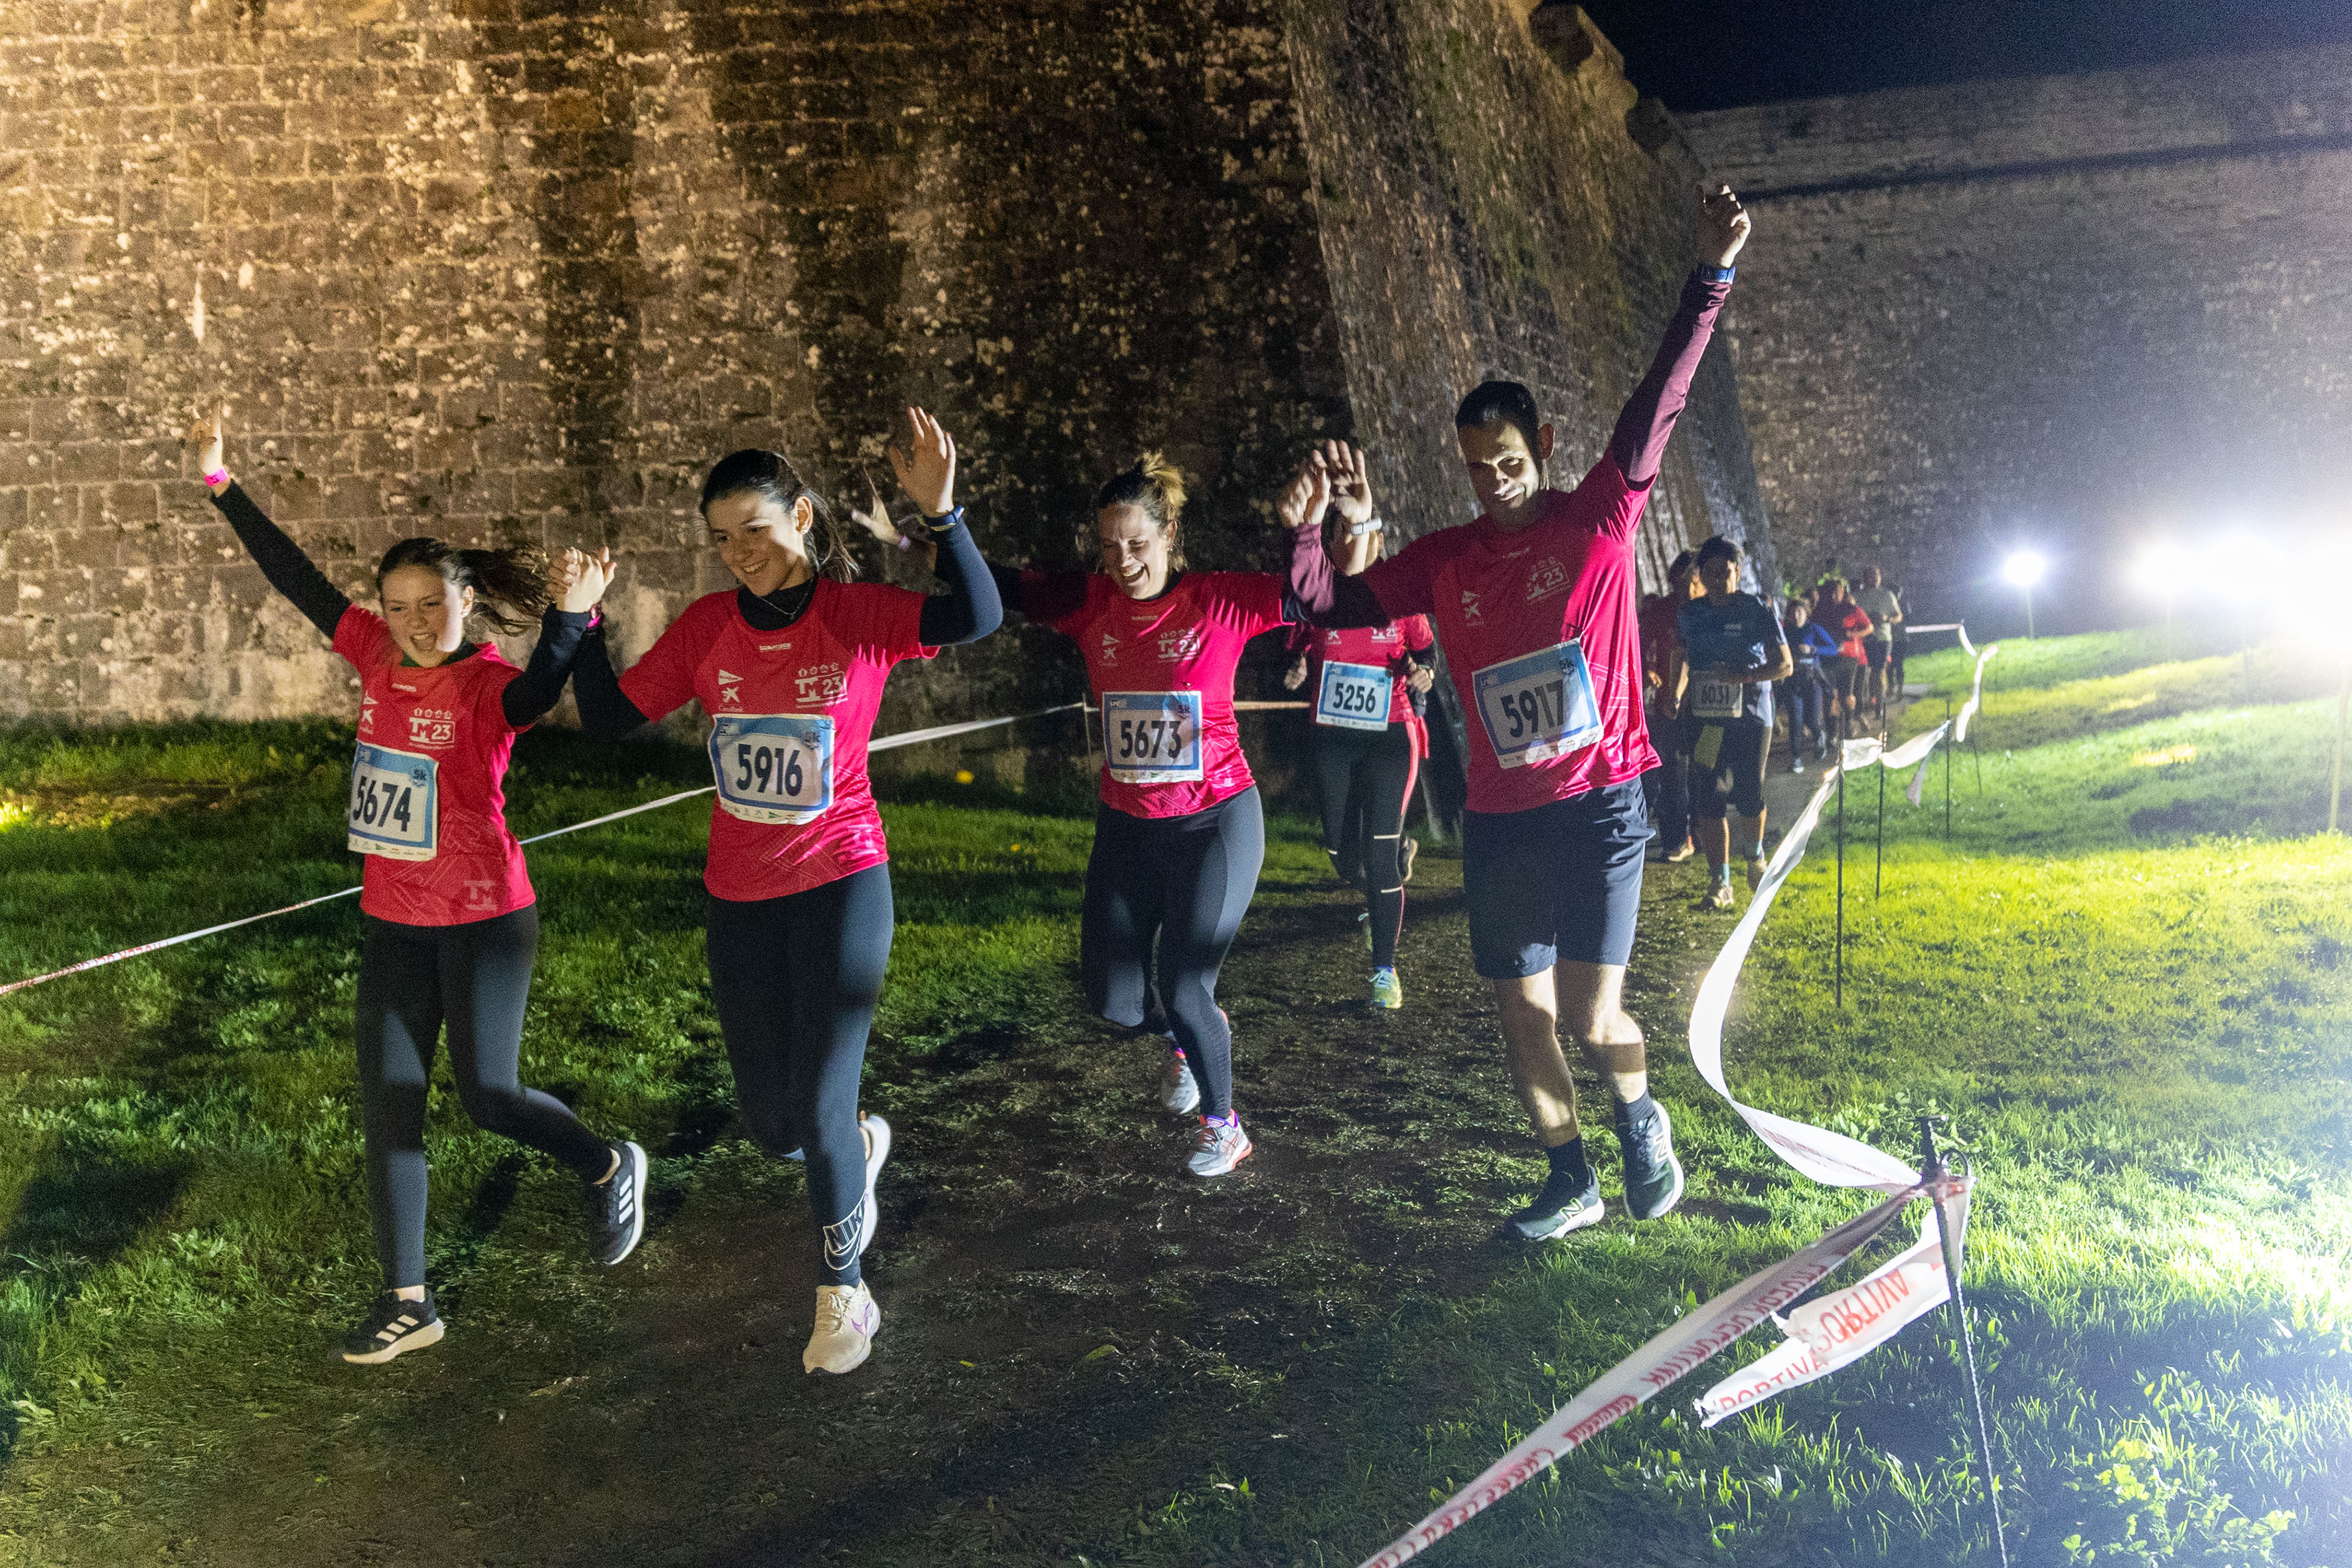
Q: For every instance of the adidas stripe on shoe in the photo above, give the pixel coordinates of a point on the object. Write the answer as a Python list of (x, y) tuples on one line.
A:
[(395, 1326)]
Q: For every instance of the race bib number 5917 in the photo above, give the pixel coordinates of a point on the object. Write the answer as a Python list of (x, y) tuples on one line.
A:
[(1538, 706), (1153, 737), (773, 767), (395, 808)]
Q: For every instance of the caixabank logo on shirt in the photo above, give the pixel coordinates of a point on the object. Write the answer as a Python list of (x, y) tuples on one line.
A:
[(1109, 647), (367, 715), (432, 727), (821, 685)]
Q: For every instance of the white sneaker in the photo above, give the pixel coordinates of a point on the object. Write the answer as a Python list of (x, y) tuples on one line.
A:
[(878, 1149), (846, 1322), (1178, 1090), (1221, 1146)]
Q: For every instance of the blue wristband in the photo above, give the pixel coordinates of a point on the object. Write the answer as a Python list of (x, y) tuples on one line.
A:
[(1716, 274)]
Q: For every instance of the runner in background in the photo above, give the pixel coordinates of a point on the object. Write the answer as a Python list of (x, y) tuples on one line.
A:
[(789, 667), (1666, 788), (1807, 694), (449, 924), (1533, 604), (1902, 643), (1886, 613), (1850, 624), (1368, 740), (1730, 652), (1179, 832)]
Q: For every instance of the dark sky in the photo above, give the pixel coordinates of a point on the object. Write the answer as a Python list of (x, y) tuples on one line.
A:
[(1721, 54)]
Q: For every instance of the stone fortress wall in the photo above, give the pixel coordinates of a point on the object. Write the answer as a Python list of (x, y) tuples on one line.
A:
[(515, 270), (2073, 310)]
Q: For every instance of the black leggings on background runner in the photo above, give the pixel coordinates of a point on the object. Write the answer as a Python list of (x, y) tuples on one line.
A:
[(795, 980), (1186, 880), (476, 978), (1364, 779)]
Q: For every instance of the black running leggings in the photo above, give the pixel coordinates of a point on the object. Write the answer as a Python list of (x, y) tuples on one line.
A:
[(475, 978), (795, 980), (1186, 880), (1365, 780)]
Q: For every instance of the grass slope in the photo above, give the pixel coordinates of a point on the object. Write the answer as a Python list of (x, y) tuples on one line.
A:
[(2125, 974)]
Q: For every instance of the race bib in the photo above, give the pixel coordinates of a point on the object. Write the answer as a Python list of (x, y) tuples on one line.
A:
[(1153, 737), (396, 803), (773, 767), (1354, 696), (1716, 699), (1538, 706)]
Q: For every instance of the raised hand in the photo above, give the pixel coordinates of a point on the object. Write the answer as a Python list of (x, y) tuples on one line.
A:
[(924, 458), (576, 580), (1305, 499), (208, 437), (875, 517), (1723, 225), (1350, 477)]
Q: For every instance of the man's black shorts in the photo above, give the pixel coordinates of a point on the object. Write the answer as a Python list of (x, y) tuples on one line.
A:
[(1562, 880)]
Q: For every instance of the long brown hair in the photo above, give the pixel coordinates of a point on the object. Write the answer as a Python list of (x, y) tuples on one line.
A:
[(510, 585), (771, 474)]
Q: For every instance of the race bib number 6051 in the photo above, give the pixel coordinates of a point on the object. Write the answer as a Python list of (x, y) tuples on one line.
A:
[(773, 767), (1538, 706), (1354, 696), (1153, 737), (395, 808)]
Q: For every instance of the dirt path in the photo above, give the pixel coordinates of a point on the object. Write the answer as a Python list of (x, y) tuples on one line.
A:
[(1074, 1332)]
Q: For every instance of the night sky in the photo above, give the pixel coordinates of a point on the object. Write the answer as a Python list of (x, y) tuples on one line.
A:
[(1721, 54)]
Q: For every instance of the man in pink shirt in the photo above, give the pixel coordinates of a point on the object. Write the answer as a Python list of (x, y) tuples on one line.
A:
[(1534, 607)]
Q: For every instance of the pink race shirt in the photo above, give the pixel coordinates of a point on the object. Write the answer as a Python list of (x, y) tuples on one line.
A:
[(1527, 619), (428, 805), (791, 714), (1162, 673), (1383, 648)]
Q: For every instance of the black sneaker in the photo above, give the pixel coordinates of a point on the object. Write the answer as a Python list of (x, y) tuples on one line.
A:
[(1560, 1207), (393, 1327), (617, 1208), (1654, 1177)]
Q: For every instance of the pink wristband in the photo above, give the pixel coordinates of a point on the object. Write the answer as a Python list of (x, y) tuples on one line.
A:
[(217, 476)]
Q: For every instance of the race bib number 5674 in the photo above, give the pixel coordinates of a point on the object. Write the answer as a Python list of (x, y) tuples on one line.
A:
[(1538, 706), (395, 808)]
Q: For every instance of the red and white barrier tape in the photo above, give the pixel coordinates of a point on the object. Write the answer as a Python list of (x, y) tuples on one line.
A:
[(886, 743)]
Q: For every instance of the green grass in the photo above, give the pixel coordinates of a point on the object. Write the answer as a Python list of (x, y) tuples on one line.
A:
[(2127, 974)]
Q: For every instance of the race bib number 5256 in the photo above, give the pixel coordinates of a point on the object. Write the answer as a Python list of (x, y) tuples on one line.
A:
[(1354, 696), (395, 808), (1538, 706), (1153, 737), (773, 767)]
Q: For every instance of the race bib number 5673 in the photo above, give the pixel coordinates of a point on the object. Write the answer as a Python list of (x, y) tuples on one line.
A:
[(773, 767), (1153, 737), (395, 809), (1538, 706)]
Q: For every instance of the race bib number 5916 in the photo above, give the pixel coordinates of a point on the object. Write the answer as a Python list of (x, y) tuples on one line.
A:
[(773, 767), (1538, 706), (395, 808), (1153, 737)]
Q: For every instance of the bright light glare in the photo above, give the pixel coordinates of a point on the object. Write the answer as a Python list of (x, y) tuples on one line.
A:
[(2023, 568), (2164, 571)]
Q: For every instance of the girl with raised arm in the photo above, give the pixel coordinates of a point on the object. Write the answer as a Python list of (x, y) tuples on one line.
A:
[(1367, 734), (789, 667), (450, 922), (1179, 834)]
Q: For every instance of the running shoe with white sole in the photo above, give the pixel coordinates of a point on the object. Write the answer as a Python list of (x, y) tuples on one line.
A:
[(1560, 1207), (878, 1149), (846, 1322), (1388, 991), (1717, 896), (1755, 873), (1679, 853), (1221, 1146), (394, 1328), (1654, 1177), (617, 1208), (1178, 1090)]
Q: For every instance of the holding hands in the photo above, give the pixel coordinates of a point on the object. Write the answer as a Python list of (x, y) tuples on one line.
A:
[(576, 580), (1332, 474)]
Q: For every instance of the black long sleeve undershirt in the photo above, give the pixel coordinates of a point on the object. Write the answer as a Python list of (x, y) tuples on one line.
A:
[(970, 610), (526, 698)]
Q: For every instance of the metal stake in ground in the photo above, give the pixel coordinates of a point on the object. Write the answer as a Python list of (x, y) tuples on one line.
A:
[(1948, 770), (1840, 883), (1878, 869), (1934, 1170), (2336, 778)]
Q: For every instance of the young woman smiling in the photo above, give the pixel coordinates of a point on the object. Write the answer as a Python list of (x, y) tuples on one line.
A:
[(450, 922), (790, 667)]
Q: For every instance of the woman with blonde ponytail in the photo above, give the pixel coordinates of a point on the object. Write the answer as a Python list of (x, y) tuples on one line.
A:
[(450, 924), (1179, 834)]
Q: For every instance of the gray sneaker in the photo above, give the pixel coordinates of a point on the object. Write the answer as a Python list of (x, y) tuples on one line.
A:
[(1221, 1146), (1560, 1208), (1654, 1177), (1178, 1090)]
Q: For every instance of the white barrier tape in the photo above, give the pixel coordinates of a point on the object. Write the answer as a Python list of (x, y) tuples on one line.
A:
[(1939, 626), (1841, 1327), (1648, 1371), (1976, 692), (887, 743)]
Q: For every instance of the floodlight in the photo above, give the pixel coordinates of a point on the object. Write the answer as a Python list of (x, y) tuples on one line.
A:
[(2024, 568)]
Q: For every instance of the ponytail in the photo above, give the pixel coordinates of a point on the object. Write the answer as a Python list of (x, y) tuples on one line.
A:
[(773, 476), (1153, 485), (510, 585)]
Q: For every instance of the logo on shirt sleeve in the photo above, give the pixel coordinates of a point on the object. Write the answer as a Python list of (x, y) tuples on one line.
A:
[(731, 688)]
